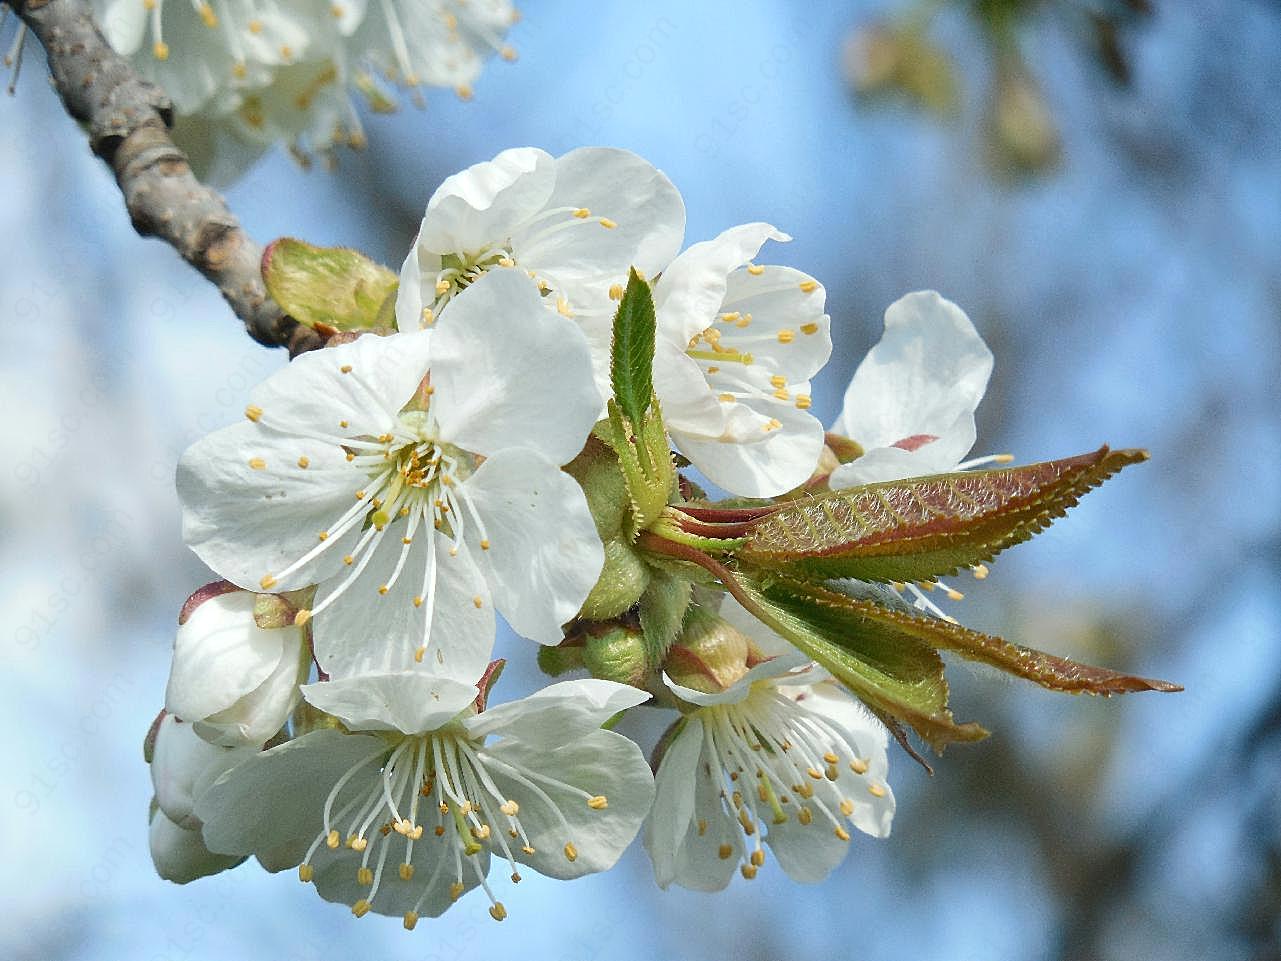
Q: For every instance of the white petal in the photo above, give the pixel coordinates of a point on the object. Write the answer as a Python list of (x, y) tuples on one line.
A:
[(509, 372), (789, 334), (782, 459), (544, 554), (180, 855), (220, 655), (313, 394), (926, 376), (782, 666), (124, 24), (246, 521), (620, 186), (482, 204), (260, 714), (366, 631), (556, 714), (894, 463), (412, 702), (672, 817), (410, 295), (600, 763), (183, 765), (278, 796), (689, 295)]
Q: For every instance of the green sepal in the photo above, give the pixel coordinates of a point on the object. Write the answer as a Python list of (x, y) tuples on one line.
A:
[(662, 611), (646, 463), (631, 367), (921, 528), (328, 288), (897, 675)]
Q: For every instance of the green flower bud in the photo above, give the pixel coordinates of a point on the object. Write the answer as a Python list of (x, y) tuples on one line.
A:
[(617, 654), (598, 474), (622, 581), (710, 655)]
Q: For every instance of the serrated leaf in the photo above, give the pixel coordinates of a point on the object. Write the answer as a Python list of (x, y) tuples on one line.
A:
[(327, 287), (631, 370), (925, 527), (662, 609), (899, 624), (898, 677)]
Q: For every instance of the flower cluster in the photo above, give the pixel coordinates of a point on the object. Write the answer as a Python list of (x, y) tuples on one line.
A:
[(246, 74), (510, 447)]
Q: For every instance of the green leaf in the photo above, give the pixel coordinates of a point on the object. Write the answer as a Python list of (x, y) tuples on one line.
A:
[(632, 351), (897, 675), (922, 528), (900, 624), (662, 610), (330, 288)]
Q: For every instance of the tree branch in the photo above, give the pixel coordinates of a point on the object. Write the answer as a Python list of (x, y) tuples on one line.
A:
[(128, 120)]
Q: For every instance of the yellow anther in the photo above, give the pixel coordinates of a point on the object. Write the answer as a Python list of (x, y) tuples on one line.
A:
[(755, 269), (305, 873), (616, 292), (980, 571), (406, 871), (345, 368), (463, 91), (286, 52), (419, 654), (847, 807), (808, 286), (510, 808), (571, 852), (778, 380), (725, 398), (731, 317), (253, 413), (804, 790), (713, 370), (364, 876), (350, 457), (528, 849), (786, 336), (562, 307), (348, 560), (360, 495), (456, 890), (477, 601), (876, 790), (805, 815), (440, 830), (831, 772), (360, 908), (782, 394), (359, 844), (772, 424), (508, 53), (267, 582), (497, 911), (379, 519), (480, 833), (744, 321), (332, 840), (830, 758), (484, 544), (954, 595), (1002, 458), (607, 223), (737, 797), (383, 588), (257, 463), (302, 617), (747, 870), (343, 423), (724, 852), (841, 833), (582, 213), (745, 819), (803, 402), (304, 462), (406, 540), (858, 766), (702, 826), (255, 26), (411, 919), (442, 286), (515, 877), (598, 803), (758, 858), (160, 50)]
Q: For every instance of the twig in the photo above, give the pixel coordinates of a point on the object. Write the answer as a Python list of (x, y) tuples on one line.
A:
[(128, 120)]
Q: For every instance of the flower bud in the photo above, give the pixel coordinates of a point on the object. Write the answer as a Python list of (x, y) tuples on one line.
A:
[(238, 660), (710, 654), (622, 580), (597, 472), (183, 765), (179, 853), (1023, 136), (617, 653), (881, 59)]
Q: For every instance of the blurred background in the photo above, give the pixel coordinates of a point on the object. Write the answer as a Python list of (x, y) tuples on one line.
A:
[(1099, 187)]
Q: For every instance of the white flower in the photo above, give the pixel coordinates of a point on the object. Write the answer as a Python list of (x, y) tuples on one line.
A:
[(412, 477), (737, 345), (770, 755), (402, 816), (440, 43), (183, 764), (911, 402), (179, 853), (233, 681), (576, 223)]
